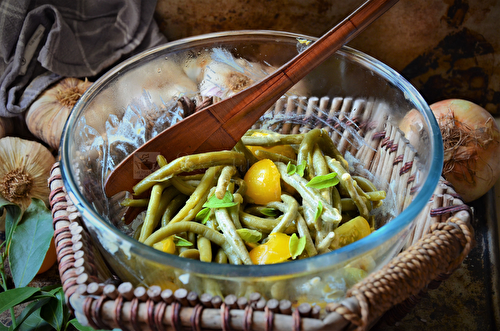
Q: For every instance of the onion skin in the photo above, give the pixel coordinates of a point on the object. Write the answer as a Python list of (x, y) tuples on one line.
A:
[(471, 163)]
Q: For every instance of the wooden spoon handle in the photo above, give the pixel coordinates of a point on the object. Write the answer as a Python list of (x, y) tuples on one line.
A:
[(245, 108), (221, 125)]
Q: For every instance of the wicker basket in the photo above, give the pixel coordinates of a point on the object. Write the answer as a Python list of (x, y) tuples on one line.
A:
[(442, 238)]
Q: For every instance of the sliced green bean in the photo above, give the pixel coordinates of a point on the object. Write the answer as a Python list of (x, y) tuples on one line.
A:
[(241, 148), (348, 205), (234, 211), (376, 195), (220, 256), (307, 145), (349, 183), (320, 168), (289, 210), (191, 253), (324, 245), (205, 249), (172, 208), (232, 237), (275, 157), (303, 231), (182, 186), (224, 179), (265, 225), (336, 199), (178, 228), (197, 199), (153, 215), (328, 147), (311, 196), (273, 140), (336, 166), (127, 202), (190, 163), (365, 184)]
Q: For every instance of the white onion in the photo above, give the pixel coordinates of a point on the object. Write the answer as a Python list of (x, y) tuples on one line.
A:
[(471, 143)]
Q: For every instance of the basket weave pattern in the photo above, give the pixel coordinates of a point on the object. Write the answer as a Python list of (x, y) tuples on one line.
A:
[(441, 239)]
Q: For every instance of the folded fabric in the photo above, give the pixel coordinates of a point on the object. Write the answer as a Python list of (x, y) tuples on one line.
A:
[(43, 41)]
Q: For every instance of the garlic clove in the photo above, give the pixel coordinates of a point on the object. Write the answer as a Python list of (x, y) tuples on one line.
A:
[(24, 169), (47, 116)]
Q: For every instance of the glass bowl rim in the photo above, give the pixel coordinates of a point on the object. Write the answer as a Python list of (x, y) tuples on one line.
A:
[(318, 262)]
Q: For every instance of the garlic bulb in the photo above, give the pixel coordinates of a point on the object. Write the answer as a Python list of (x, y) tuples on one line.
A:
[(24, 169), (47, 115)]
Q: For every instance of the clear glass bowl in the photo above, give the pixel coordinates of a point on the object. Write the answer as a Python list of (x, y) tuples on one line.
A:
[(138, 98)]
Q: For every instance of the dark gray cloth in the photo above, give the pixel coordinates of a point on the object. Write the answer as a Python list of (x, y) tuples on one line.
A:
[(67, 38)]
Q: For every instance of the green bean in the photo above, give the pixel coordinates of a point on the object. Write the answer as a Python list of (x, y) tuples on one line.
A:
[(310, 217), (290, 211), (205, 249), (192, 177), (161, 160), (303, 231), (234, 211), (195, 202), (152, 214), (336, 199), (263, 224), (191, 253), (275, 157), (224, 179), (328, 147), (174, 205), (273, 140), (127, 202), (177, 228), (182, 186), (232, 237), (211, 286), (241, 148), (324, 245), (320, 168), (190, 163), (365, 184), (137, 232), (309, 195), (348, 204), (232, 256), (307, 145), (220, 256), (349, 183), (242, 185), (336, 166), (376, 195)]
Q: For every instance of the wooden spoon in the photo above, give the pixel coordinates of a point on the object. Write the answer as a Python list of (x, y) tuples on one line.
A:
[(221, 125)]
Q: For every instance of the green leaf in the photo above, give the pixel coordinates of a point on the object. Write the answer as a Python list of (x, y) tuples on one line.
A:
[(271, 212), (52, 313), (248, 235), (291, 168), (31, 315), (296, 245), (301, 168), (81, 327), (225, 202), (30, 242), (12, 216), (324, 181), (203, 215), (319, 211), (15, 296), (179, 241)]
